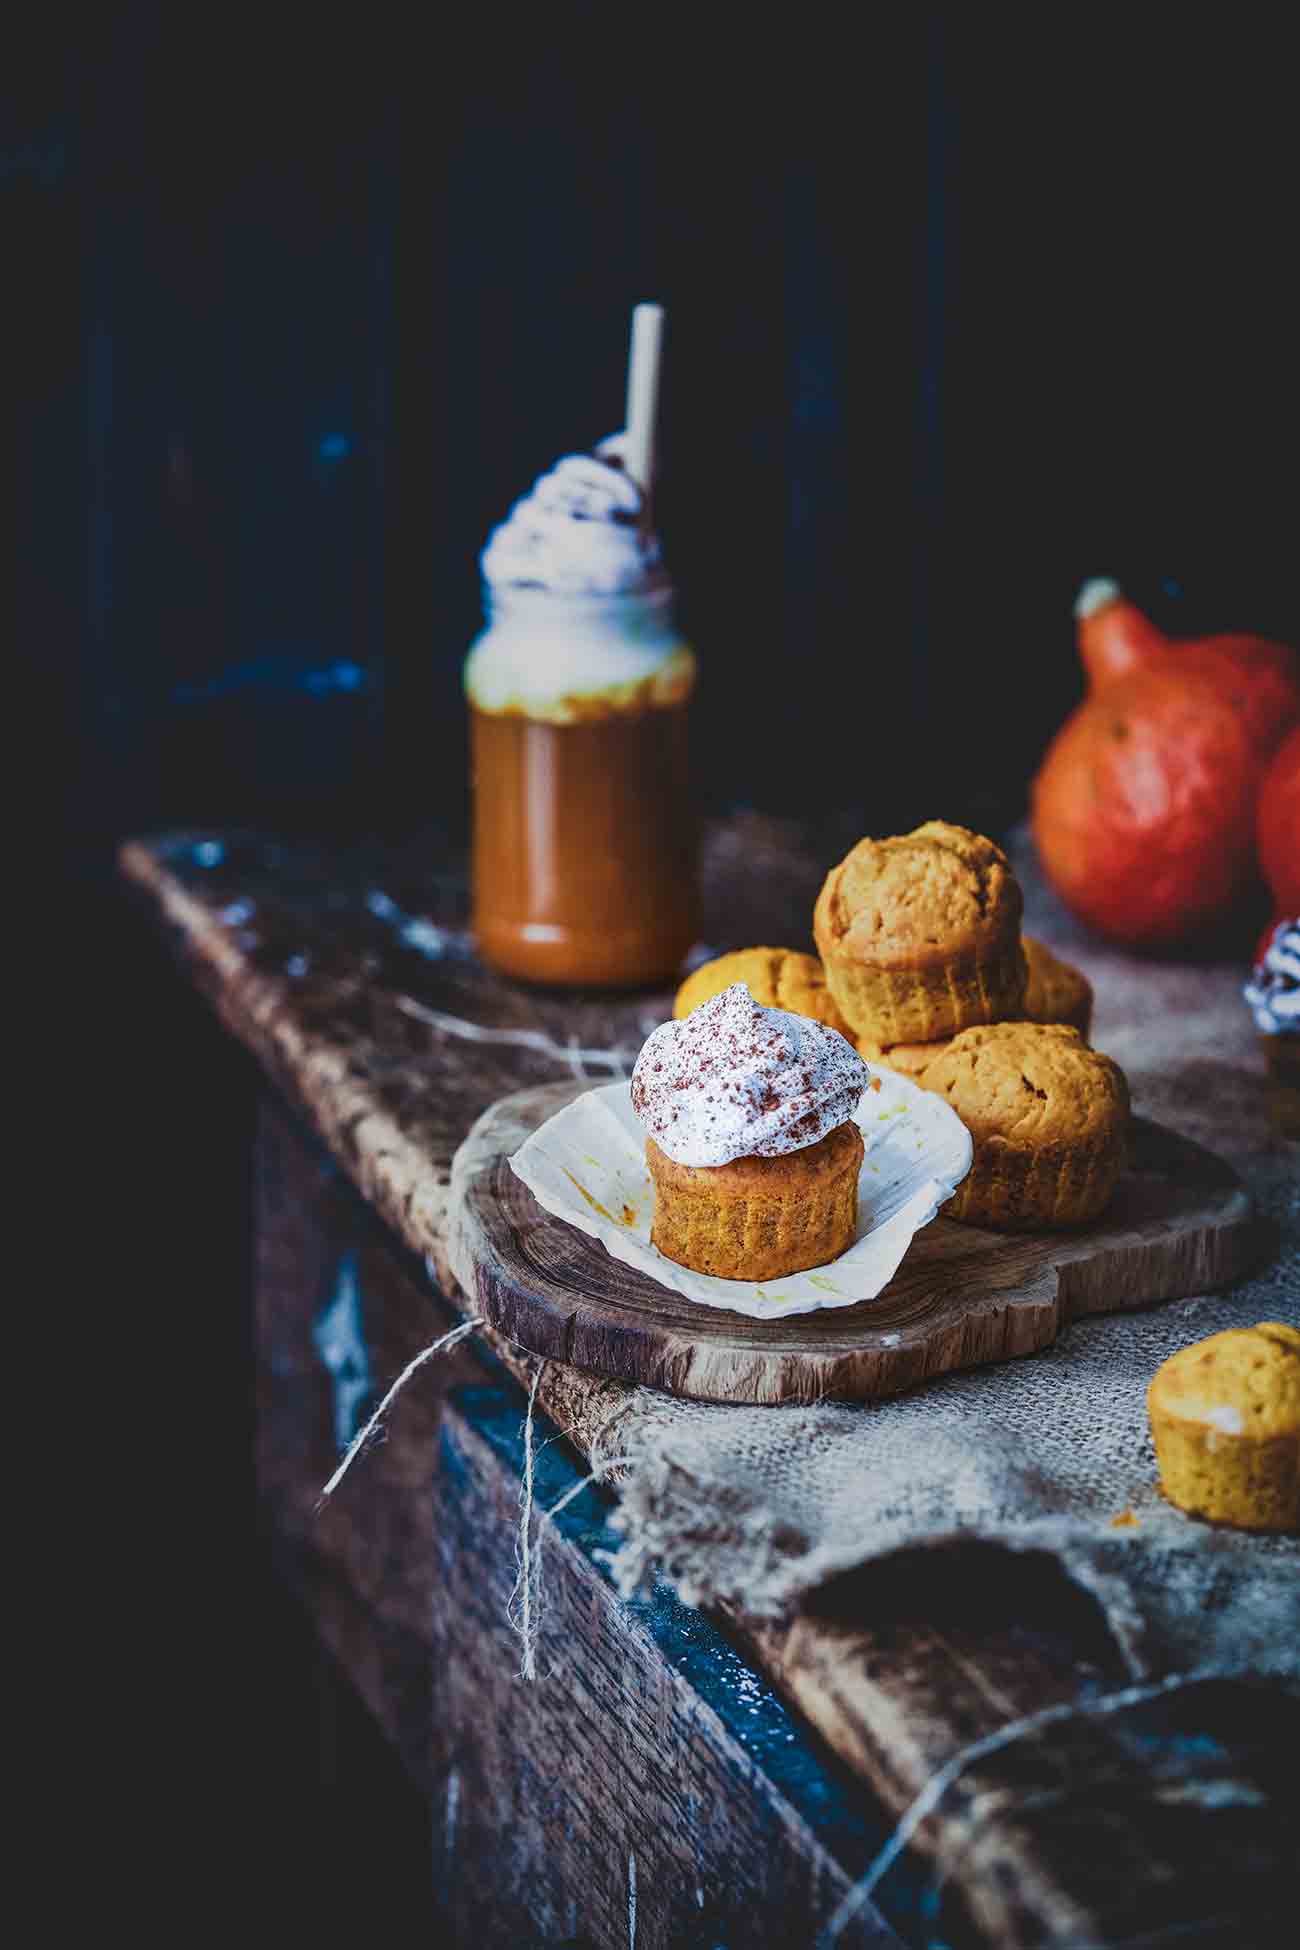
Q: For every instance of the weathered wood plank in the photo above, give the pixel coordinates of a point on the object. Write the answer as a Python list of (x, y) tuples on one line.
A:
[(391, 1041), (1103, 1831), (648, 1749), (958, 1643), (615, 1765)]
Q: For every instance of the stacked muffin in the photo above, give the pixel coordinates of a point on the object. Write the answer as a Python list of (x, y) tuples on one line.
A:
[(920, 939), (923, 966), (777, 978)]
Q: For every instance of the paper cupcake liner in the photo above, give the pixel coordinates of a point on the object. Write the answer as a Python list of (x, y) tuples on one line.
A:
[(586, 1165)]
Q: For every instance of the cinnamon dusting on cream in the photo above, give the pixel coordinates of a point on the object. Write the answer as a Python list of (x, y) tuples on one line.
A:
[(735, 1080)]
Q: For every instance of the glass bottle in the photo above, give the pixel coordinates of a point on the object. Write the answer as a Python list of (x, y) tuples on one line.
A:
[(584, 831)]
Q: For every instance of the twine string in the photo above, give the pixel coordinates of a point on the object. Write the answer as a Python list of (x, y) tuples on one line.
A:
[(991, 1743), (364, 1434), (523, 1608), (519, 1607), (570, 1055), (631, 1900)]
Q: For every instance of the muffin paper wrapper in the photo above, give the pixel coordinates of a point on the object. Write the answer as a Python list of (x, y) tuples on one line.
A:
[(586, 1165)]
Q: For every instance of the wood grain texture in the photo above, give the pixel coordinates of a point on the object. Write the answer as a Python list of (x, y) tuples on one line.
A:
[(355, 983), (617, 1772), (1180, 1223), (1175, 1819), (1165, 1824), (646, 1735), (352, 981)]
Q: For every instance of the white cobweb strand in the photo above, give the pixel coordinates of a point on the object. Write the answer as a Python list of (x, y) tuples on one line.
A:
[(533, 1557), (521, 1606), (939, 1783), (524, 1607), (569, 1054), (364, 1434)]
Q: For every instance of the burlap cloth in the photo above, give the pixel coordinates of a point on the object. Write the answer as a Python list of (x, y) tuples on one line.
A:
[(756, 1506)]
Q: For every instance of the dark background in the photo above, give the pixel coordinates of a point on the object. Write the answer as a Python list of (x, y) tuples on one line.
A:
[(962, 310), (960, 314)]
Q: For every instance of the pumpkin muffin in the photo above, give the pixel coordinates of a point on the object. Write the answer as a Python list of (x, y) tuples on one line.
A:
[(779, 978), (1225, 1420), (1056, 990), (757, 1218), (910, 1058), (1048, 1117), (751, 1147), (920, 935)]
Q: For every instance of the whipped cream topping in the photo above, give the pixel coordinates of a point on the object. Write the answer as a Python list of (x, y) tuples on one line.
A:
[(579, 531), (1273, 991), (736, 1080)]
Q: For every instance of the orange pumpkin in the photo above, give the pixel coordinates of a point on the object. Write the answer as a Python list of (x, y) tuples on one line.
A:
[(1144, 807), (1259, 679), (1277, 826)]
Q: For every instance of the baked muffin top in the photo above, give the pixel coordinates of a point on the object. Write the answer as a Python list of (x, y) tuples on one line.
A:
[(1244, 1381), (778, 978), (1030, 1083), (920, 898), (1056, 991), (909, 1058)]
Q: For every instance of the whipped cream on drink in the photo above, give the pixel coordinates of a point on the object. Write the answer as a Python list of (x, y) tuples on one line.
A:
[(578, 532), (580, 602), (736, 1080)]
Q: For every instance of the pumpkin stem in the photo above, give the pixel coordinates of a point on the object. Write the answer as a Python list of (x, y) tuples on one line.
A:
[(1114, 637), (1094, 595)]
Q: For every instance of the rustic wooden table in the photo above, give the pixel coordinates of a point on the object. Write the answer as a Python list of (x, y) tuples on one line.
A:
[(669, 1779)]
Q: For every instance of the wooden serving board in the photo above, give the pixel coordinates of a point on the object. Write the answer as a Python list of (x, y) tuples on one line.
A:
[(1180, 1223)]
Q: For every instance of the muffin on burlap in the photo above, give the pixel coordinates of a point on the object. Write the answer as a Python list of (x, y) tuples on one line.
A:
[(920, 935), (1056, 992), (1048, 1117), (779, 978), (1225, 1420), (751, 1147)]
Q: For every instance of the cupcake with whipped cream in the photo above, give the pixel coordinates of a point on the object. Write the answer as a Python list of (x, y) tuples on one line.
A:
[(1273, 993), (751, 1144)]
